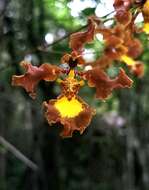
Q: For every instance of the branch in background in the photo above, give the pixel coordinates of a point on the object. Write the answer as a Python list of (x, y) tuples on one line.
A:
[(18, 154), (44, 46)]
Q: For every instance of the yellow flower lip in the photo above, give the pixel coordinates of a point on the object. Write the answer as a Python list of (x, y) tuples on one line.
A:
[(68, 108), (128, 60), (146, 27)]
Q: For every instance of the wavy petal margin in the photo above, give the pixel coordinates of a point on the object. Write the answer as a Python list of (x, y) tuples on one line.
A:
[(76, 120), (79, 39), (138, 69), (34, 74), (104, 85), (123, 15)]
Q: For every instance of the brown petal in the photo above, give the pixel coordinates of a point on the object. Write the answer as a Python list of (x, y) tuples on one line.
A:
[(138, 69), (135, 48), (122, 4), (78, 123), (33, 75), (106, 32), (72, 59), (102, 62), (117, 30), (115, 53), (123, 17), (113, 40), (104, 85), (79, 39)]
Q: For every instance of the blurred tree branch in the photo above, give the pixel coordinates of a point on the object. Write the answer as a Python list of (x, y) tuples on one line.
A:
[(18, 154)]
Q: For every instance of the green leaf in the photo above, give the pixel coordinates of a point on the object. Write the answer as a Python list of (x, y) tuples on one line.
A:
[(88, 11)]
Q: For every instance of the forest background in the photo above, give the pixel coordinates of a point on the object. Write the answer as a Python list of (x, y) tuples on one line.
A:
[(113, 152)]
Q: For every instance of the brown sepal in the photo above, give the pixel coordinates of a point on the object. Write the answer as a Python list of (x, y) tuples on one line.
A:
[(123, 17), (138, 69), (102, 62), (34, 74), (113, 41), (73, 57), (114, 53), (104, 85), (135, 47), (122, 4), (79, 39)]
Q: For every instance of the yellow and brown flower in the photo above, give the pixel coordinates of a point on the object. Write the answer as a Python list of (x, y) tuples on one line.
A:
[(74, 114), (69, 109)]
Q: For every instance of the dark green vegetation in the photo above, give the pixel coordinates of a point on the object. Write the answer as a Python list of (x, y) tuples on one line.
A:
[(113, 152)]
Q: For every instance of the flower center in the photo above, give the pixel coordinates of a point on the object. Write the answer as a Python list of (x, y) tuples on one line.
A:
[(68, 108)]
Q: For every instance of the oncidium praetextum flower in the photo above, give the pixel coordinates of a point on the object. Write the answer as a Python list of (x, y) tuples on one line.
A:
[(69, 109)]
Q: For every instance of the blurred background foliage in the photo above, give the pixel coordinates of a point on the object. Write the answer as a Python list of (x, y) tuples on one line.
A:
[(113, 152)]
